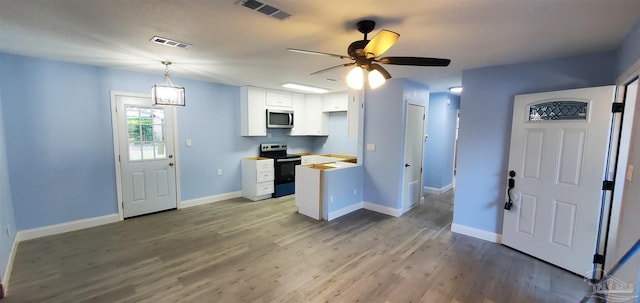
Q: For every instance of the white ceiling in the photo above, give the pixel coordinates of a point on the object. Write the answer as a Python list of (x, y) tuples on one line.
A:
[(237, 46)]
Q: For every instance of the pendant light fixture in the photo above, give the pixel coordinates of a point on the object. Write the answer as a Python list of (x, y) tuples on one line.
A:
[(167, 93)]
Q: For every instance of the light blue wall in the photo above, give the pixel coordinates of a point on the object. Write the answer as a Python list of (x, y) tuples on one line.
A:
[(60, 147), (6, 206), (338, 141), (629, 51), (340, 184), (384, 123), (485, 125), (439, 148)]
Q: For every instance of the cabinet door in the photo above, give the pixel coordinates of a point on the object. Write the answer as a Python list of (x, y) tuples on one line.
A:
[(253, 111), (299, 115), (279, 98), (336, 102), (317, 121)]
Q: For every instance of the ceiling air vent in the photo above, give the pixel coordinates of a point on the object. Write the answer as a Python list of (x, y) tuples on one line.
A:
[(266, 9), (170, 42)]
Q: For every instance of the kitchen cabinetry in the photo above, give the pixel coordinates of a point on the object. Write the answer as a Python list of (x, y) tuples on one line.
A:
[(299, 115), (257, 178), (317, 122), (253, 121), (335, 102), (278, 98)]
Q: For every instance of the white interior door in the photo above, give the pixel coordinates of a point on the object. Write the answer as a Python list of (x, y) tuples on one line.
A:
[(147, 163), (414, 136), (559, 142)]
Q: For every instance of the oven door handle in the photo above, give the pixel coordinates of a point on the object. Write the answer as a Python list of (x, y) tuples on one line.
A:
[(289, 160)]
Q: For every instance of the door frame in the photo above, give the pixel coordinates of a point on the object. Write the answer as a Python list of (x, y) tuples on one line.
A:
[(622, 157), (116, 148), (404, 160)]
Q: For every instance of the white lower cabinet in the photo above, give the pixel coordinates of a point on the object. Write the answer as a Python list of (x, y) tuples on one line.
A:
[(257, 178)]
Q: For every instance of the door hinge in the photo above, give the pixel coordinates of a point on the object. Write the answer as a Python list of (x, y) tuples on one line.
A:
[(598, 259), (424, 116), (608, 185), (617, 107), (118, 158)]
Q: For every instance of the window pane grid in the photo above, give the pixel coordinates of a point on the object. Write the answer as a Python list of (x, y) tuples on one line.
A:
[(145, 131), (558, 110)]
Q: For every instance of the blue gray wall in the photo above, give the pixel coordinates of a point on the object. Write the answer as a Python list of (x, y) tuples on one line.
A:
[(7, 222), (485, 126), (384, 123), (338, 141), (57, 123), (439, 148)]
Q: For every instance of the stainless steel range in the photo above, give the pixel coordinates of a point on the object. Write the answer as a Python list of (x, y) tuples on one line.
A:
[(285, 167)]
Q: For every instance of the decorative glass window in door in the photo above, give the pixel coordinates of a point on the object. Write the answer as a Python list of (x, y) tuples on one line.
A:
[(558, 110), (145, 133)]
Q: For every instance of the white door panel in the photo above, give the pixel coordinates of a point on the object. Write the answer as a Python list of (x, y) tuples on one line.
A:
[(147, 164), (413, 150), (558, 152)]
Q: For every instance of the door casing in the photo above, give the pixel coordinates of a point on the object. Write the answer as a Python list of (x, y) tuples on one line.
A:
[(116, 149)]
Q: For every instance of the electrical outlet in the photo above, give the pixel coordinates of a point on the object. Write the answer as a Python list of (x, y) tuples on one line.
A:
[(188, 143), (330, 199), (630, 173), (219, 171), (355, 192)]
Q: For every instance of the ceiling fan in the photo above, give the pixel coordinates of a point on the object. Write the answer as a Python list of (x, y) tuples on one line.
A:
[(365, 56)]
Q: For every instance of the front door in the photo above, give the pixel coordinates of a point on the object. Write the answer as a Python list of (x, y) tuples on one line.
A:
[(559, 143), (413, 148), (147, 163)]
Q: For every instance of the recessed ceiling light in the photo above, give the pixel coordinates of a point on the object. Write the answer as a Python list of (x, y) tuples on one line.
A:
[(455, 89), (305, 88)]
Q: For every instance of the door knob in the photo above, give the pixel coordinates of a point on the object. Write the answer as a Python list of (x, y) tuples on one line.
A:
[(511, 184), (170, 163)]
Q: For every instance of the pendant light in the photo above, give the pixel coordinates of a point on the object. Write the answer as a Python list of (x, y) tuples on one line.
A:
[(167, 93)]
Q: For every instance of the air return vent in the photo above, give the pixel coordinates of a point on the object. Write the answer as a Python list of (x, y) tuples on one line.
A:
[(170, 42), (266, 9)]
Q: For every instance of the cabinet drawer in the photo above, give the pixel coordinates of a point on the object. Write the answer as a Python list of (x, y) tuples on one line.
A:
[(264, 188), (264, 165), (264, 176)]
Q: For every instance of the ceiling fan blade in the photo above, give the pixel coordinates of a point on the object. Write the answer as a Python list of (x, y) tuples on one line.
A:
[(333, 67), (418, 61), (381, 69), (380, 43), (308, 52)]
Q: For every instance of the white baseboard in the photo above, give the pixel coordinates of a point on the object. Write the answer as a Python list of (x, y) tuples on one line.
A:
[(395, 212), (438, 191), (7, 271), (476, 233), (343, 211), (44, 231), (210, 199)]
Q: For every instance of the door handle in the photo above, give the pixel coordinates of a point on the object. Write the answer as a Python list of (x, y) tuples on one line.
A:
[(406, 165), (511, 183), (170, 163)]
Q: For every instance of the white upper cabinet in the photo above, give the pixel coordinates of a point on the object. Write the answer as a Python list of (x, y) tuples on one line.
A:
[(335, 102), (317, 122), (279, 98), (253, 112), (299, 115)]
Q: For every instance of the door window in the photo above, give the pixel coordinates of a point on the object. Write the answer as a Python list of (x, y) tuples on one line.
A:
[(558, 110), (145, 133)]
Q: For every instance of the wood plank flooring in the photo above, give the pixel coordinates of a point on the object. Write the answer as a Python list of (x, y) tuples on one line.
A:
[(242, 251)]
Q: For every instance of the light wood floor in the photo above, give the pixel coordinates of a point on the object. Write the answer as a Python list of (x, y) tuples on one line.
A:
[(241, 251)]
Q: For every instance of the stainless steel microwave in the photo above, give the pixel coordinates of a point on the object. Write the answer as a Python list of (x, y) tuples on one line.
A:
[(279, 118)]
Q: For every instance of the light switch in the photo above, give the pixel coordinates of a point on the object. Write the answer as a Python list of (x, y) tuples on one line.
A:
[(219, 171), (188, 143), (371, 147), (630, 173)]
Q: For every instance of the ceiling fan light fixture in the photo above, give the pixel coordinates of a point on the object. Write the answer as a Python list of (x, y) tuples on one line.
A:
[(167, 93), (355, 78), (305, 88), (376, 79)]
